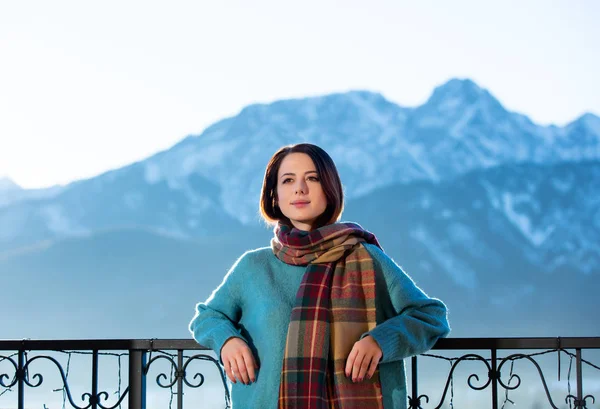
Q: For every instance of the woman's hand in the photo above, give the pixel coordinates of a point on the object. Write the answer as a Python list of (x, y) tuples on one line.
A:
[(238, 361), (363, 359)]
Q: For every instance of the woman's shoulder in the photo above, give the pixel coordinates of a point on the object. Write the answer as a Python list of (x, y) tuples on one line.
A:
[(255, 257), (249, 261), (392, 272), (379, 255), (258, 252)]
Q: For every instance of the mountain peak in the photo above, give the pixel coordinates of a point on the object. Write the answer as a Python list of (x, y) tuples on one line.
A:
[(301, 112), (357, 94), (463, 85), (449, 102), (464, 90), (8, 184), (363, 94), (590, 121)]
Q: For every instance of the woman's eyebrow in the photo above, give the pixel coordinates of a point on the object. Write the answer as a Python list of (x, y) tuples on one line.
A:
[(293, 174)]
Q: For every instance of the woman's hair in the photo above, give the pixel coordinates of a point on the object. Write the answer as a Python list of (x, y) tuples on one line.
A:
[(328, 175)]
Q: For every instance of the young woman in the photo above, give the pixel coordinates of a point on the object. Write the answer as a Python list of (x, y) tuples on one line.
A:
[(322, 318)]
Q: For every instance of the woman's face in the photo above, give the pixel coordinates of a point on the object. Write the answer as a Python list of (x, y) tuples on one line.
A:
[(299, 193)]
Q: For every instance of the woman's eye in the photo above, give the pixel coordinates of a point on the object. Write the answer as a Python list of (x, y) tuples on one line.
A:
[(286, 180), (313, 178)]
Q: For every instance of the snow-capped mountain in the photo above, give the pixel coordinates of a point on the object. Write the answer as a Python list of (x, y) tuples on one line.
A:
[(485, 208), (7, 185), (211, 182), (374, 142), (518, 240), (8, 190), (513, 240), (546, 216)]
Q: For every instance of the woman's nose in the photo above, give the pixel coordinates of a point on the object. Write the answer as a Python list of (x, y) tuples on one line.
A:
[(301, 187)]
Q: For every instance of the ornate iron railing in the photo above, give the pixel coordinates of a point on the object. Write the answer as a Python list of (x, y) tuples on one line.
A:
[(19, 357), (494, 366)]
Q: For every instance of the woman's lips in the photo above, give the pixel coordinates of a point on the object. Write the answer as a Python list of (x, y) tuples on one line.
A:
[(300, 204)]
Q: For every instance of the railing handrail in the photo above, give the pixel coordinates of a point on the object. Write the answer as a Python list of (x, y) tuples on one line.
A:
[(190, 344), (141, 356)]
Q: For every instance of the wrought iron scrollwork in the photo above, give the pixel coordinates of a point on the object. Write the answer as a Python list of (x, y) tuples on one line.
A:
[(471, 357), (416, 403), (105, 394), (162, 375), (203, 357), (181, 373), (63, 377), (15, 376), (91, 399), (495, 376), (579, 404), (537, 366)]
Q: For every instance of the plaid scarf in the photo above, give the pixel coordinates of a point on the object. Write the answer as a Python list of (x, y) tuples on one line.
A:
[(335, 305)]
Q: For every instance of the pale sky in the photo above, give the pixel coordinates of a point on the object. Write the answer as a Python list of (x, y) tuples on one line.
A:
[(90, 86)]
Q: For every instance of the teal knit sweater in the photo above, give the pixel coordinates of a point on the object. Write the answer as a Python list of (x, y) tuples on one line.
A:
[(255, 300)]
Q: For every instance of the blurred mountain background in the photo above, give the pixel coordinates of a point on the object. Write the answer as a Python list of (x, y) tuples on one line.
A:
[(493, 214)]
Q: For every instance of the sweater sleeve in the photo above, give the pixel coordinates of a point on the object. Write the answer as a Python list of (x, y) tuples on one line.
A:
[(217, 318), (416, 321)]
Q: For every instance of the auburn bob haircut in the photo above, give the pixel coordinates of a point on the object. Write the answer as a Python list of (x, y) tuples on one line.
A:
[(328, 175)]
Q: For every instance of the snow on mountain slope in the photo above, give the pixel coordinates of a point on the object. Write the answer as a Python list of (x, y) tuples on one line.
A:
[(217, 175)]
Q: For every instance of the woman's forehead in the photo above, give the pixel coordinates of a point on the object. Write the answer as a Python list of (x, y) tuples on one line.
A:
[(296, 162)]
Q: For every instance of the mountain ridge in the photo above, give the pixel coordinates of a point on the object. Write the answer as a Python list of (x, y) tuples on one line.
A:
[(373, 141), (449, 236)]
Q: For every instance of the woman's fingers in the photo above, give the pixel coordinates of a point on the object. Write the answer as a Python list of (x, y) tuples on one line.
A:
[(229, 374), (242, 373), (350, 362), (250, 365), (238, 360), (238, 372), (363, 359), (242, 368), (356, 367), (232, 371), (363, 367), (372, 367)]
